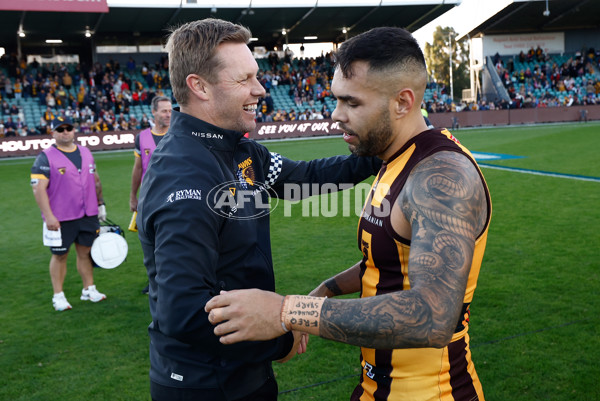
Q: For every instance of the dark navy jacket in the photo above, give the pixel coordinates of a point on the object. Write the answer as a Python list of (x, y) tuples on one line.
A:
[(204, 226)]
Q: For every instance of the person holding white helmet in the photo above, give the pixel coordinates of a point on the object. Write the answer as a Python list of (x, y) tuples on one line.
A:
[(68, 192)]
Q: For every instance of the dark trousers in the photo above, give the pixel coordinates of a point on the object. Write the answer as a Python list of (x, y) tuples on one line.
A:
[(268, 392)]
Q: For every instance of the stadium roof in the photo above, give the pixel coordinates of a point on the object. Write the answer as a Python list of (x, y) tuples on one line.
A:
[(527, 16), (126, 24)]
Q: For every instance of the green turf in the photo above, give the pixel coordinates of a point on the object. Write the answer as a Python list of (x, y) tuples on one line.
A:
[(534, 322)]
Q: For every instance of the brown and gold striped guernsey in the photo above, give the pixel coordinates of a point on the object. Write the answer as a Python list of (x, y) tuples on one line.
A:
[(418, 373)]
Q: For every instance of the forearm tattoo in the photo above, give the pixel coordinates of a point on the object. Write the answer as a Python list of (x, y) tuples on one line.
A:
[(444, 202), (332, 286)]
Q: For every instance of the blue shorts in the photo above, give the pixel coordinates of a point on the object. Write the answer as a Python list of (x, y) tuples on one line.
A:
[(82, 231)]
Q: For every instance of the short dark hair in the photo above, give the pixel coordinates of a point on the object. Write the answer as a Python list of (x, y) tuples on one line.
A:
[(157, 99), (383, 48)]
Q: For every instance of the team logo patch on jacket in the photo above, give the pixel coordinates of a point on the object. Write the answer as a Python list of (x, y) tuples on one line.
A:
[(245, 173), (62, 170)]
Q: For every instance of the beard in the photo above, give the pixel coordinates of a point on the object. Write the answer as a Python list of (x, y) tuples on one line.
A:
[(376, 140)]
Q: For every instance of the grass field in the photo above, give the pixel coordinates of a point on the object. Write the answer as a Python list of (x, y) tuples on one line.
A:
[(534, 322)]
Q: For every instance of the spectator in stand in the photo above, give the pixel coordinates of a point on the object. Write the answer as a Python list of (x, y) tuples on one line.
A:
[(316, 115), (589, 89), (44, 126), (18, 90), (127, 97), (48, 115), (135, 98), (50, 100), (269, 101), (278, 116), (145, 122), (10, 127), (14, 110), (67, 80), (61, 97), (131, 66), (22, 130), (107, 123), (133, 122), (8, 88), (150, 78), (297, 100), (144, 97), (31, 131)]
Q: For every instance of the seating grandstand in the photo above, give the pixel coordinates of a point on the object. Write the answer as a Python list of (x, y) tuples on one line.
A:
[(539, 80), (547, 80), (299, 88)]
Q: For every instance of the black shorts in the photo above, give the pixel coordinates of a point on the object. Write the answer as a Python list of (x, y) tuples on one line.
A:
[(82, 231)]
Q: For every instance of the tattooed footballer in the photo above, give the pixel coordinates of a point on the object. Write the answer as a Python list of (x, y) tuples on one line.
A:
[(422, 232)]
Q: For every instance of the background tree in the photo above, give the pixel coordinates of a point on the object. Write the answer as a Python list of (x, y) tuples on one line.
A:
[(438, 63)]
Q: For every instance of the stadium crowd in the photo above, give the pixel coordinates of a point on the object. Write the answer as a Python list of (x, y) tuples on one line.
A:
[(104, 97), (97, 99), (534, 79), (541, 81)]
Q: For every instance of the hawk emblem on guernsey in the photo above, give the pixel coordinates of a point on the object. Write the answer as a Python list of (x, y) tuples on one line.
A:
[(62, 170), (365, 248)]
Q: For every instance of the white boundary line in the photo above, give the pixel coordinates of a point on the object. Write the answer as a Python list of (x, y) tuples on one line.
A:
[(543, 173)]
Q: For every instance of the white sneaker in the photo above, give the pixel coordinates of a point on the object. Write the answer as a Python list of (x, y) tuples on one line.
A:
[(92, 294), (60, 303)]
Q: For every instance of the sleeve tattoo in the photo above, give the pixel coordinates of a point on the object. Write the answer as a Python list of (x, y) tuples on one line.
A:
[(444, 202)]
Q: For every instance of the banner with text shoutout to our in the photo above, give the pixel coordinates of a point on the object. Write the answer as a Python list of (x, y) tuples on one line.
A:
[(33, 145), (88, 6)]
